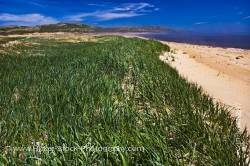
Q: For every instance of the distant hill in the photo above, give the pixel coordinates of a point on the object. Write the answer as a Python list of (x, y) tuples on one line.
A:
[(75, 27), (65, 27)]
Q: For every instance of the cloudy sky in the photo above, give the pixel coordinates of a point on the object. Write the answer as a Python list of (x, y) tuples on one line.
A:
[(227, 16)]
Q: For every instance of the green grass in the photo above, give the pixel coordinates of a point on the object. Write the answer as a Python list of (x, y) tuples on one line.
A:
[(115, 92)]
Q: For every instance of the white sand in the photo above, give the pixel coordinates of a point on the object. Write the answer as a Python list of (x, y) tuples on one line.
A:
[(225, 87)]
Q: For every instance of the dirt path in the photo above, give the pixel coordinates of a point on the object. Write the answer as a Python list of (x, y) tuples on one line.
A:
[(222, 73)]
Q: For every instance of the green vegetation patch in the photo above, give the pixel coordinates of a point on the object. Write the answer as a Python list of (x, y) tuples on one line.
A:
[(111, 102)]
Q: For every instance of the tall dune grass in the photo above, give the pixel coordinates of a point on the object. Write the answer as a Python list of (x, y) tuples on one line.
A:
[(111, 93)]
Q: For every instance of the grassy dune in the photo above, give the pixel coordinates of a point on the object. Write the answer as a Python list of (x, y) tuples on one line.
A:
[(114, 92)]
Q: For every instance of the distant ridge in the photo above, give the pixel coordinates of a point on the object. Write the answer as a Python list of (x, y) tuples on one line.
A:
[(76, 27)]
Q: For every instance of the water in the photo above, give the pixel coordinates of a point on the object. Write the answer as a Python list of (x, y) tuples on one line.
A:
[(227, 41)]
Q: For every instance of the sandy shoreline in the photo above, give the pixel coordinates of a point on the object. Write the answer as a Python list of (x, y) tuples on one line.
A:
[(223, 73)]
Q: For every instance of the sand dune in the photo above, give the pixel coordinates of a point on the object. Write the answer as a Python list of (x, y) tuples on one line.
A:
[(223, 73)]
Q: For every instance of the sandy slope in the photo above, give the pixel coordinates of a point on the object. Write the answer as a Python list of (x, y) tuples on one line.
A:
[(222, 73)]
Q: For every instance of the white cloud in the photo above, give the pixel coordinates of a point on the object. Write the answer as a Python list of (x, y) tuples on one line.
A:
[(126, 10), (102, 15), (133, 6), (200, 23), (110, 16), (26, 19)]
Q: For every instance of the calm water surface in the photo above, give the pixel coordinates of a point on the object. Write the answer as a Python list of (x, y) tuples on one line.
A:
[(234, 41)]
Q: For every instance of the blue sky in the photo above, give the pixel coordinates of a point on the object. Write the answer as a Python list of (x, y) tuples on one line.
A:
[(222, 16)]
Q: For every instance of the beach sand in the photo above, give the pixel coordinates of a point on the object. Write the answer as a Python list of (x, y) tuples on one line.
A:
[(223, 73)]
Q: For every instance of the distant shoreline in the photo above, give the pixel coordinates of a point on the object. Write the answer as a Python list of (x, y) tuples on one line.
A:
[(223, 41), (144, 35)]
